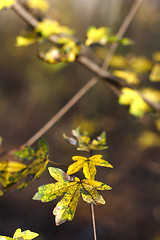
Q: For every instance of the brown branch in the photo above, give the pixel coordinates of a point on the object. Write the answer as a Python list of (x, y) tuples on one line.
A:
[(122, 31), (85, 61)]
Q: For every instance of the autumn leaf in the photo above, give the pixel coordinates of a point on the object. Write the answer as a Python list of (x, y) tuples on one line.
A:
[(71, 188), (84, 143), (48, 27), (25, 235), (137, 106), (11, 172), (88, 165), (39, 160)]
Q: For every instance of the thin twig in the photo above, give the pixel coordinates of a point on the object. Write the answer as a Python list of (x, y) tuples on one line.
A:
[(124, 26), (93, 222), (62, 111), (100, 72)]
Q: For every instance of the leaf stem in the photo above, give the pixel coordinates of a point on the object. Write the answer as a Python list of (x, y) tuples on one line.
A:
[(93, 222)]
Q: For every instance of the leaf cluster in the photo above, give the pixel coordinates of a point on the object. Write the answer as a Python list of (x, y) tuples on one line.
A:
[(72, 187), (34, 162)]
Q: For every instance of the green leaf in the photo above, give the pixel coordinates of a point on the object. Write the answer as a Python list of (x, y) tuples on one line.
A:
[(88, 165), (6, 3), (72, 188)]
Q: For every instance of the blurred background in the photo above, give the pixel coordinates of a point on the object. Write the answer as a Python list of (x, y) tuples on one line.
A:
[(31, 92)]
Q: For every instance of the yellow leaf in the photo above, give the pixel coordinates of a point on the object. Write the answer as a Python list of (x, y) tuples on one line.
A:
[(6, 3), (24, 41), (137, 106), (155, 73), (97, 35), (88, 165), (42, 5), (130, 77), (49, 27), (151, 94), (141, 64), (118, 61)]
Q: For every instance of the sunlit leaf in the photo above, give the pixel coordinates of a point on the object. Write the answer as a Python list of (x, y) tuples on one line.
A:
[(6, 3), (42, 5), (26, 235), (137, 106), (10, 172), (155, 73), (48, 27), (19, 235), (130, 77), (88, 165), (24, 41), (84, 143), (97, 35), (71, 188)]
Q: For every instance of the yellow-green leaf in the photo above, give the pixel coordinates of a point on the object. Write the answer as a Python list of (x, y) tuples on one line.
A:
[(10, 172), (25, 235), (65, 209), (6, 3), (72, 188)]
